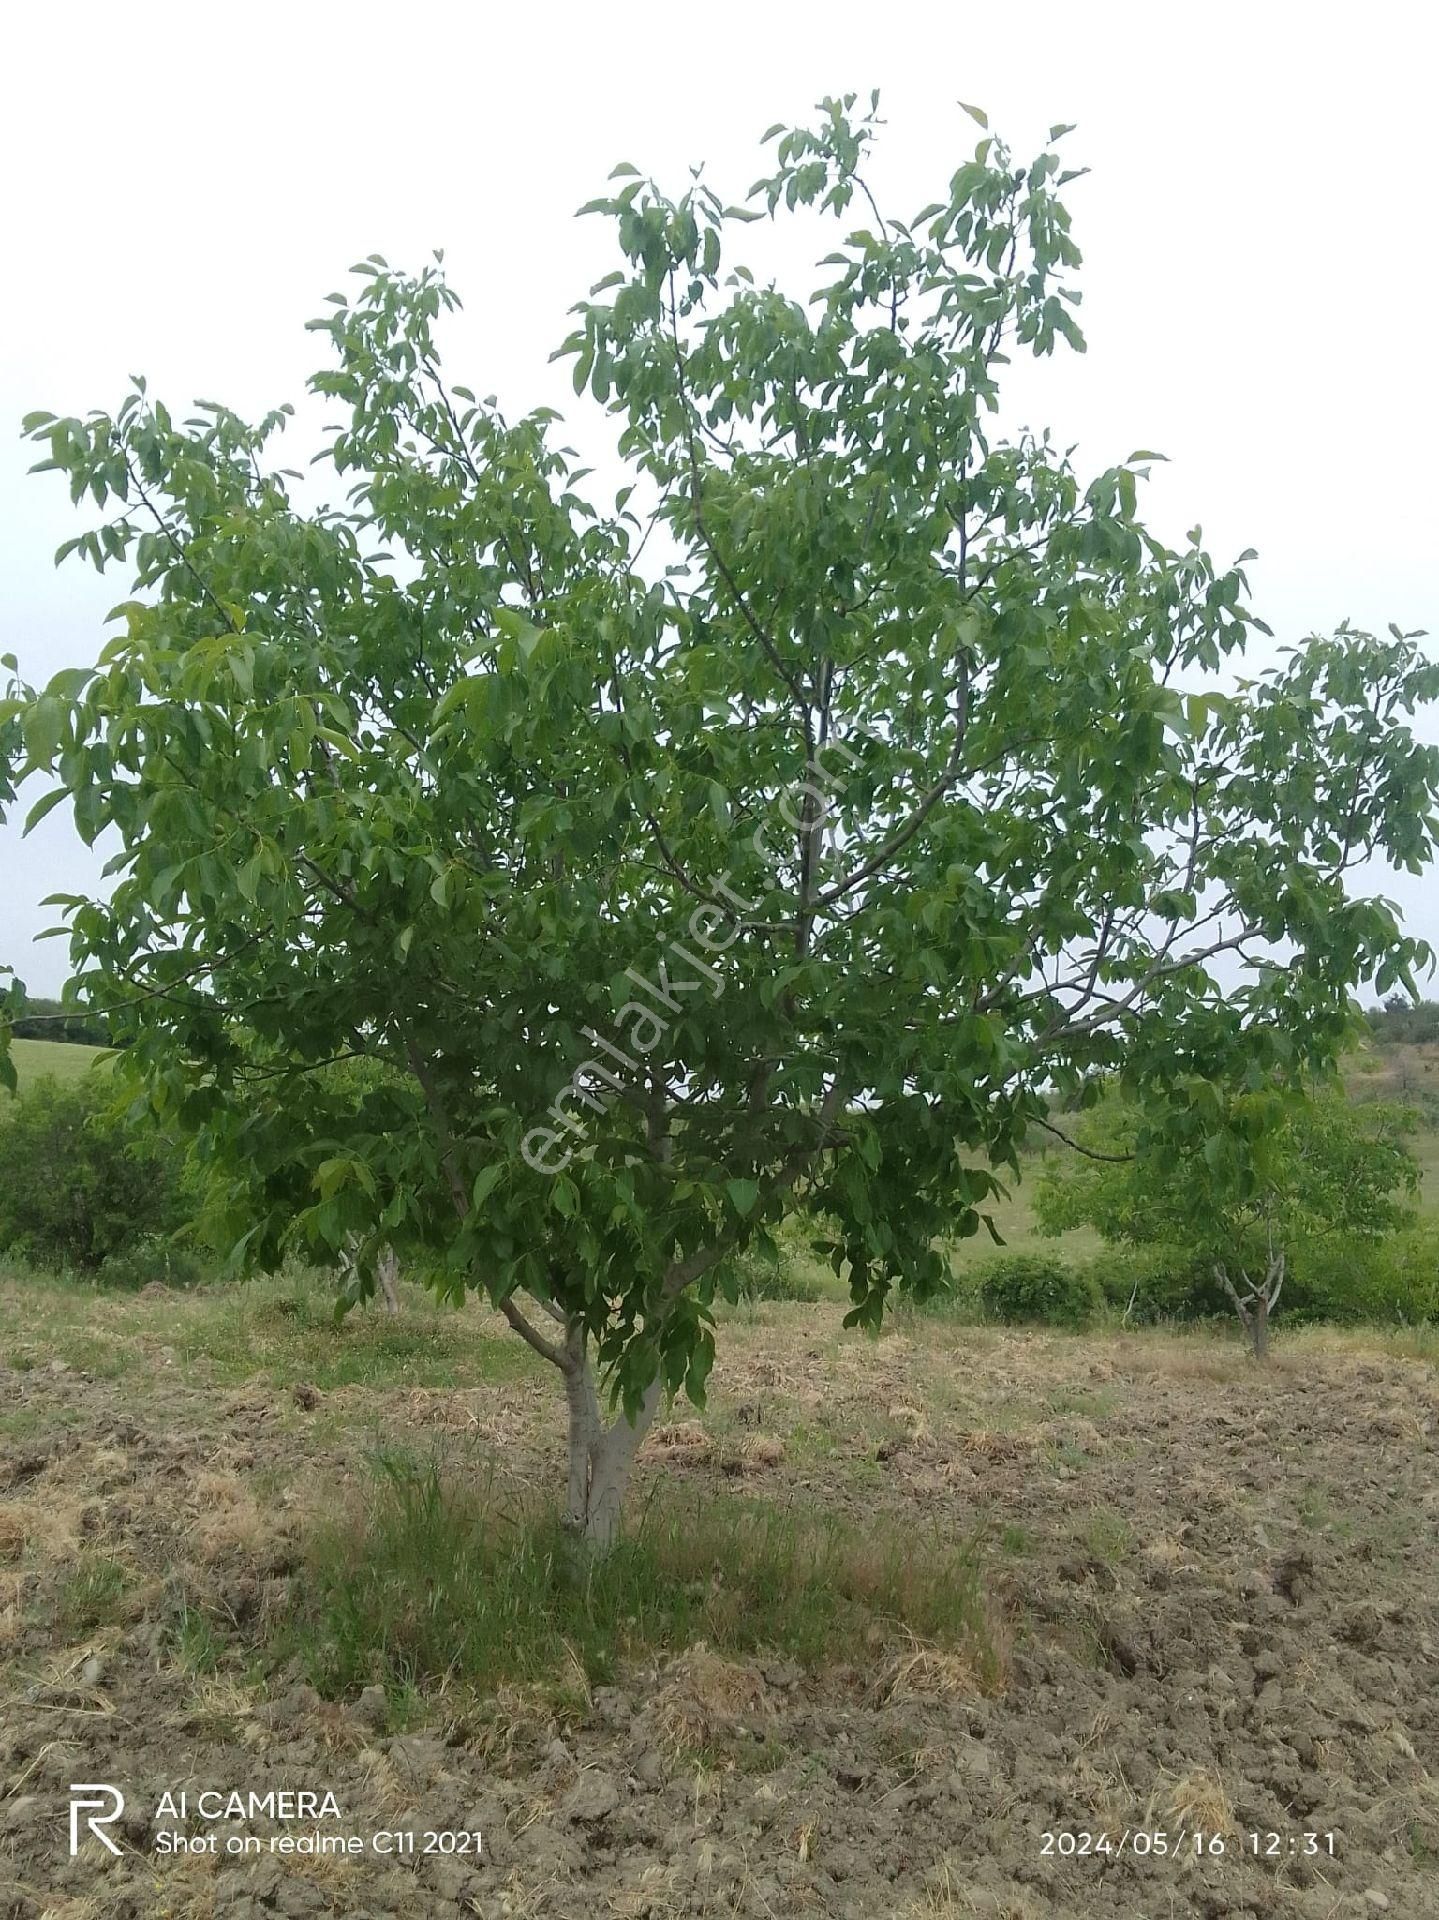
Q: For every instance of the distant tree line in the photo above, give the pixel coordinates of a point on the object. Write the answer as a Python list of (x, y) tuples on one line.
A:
[(1404, 1022), (51, 1020)]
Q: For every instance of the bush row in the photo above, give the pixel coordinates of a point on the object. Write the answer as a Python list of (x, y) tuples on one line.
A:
[(1337, 1278)]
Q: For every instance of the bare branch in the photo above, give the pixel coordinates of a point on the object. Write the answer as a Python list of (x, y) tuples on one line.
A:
[(1090, 1153)]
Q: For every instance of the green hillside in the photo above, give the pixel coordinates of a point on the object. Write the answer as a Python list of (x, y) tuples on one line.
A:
[(35, 1058)]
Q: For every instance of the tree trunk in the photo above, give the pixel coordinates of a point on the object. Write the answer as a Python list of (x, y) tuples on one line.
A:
[(1259, 1326), (1254, 1308), (387, 1272), (600, 1458)]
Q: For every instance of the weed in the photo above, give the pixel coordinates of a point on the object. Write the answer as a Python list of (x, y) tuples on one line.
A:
[(92, 1594), (1108, 1535), (1090, 1405), (197, 1646)]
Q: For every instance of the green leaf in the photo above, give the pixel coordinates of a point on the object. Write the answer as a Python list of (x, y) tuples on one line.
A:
[(43, 728), (41, 807), (486, 1180), (743, 1194), (701, 1364), (69, 682)]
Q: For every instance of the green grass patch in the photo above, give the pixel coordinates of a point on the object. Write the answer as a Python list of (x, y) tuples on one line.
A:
[(435, 1580), (63, 1060), (281, 1330), (1088, 1403), (1108, 1535), (92, 1594)]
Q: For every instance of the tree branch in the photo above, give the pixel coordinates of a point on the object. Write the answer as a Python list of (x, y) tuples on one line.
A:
[(1111, 1159)]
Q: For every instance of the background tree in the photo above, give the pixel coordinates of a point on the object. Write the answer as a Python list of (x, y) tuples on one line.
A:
[(52, 1020), (1237, 1188), (774, 839), (1402, 1022), (84, 1180)]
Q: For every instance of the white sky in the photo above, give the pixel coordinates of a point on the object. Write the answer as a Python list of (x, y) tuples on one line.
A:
[(185, 183)]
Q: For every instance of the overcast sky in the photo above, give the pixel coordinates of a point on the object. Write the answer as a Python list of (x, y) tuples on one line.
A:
[(184, 184)]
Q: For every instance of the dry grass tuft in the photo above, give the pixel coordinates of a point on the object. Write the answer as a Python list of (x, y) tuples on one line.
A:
[(336, 1874), (1191, 1357), (928, 1673), (13, 1532), (216, 1698), (912, 1419), (949, 1896), (760, 1450), (1200, 1799), (12, 1585), (53, 1526), (992, 1444), (704, 1695), (1070, 1430), (651, 1895), (679, 1440), (230, 1520), (108, 1466), (1102, 1787)]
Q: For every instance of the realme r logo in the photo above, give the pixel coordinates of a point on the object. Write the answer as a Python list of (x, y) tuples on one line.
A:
[(112, 1800)]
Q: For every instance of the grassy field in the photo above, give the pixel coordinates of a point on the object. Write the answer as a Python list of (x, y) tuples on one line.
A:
[(36, 1058)]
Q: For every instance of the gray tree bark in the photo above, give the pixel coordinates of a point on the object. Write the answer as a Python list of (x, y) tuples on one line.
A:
[(387, 1272), (600, 1458)]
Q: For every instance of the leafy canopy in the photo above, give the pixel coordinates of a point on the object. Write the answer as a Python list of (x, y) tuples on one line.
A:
[(909, 735), (1270, 1171)]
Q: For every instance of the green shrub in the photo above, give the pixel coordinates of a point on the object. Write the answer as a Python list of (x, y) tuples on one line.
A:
[(1399, 1022), (1337, 1277), (82, 1180), (53, 1020), (154, 1260), (1156, 1283), (1020, 1287), (768, 1273), (1340, 1278)]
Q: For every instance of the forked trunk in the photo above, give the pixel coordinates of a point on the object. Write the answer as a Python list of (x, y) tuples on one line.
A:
[(600, 1457), (1255, 1307)]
